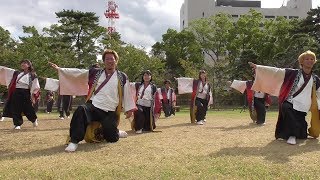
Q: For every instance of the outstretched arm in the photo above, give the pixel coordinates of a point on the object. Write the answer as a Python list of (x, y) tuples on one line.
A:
[(129, 104), (268, 79), (185, 85), (72, 81), (6, 75), (239, 85), (54, 66), (252, 65), (51, 84)]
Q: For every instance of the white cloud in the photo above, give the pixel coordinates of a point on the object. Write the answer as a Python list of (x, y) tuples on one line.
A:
[(142, 22)]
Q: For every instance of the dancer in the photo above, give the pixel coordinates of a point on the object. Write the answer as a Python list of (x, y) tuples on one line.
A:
[(64, 104), (168, 99), (201, 96), (297, 90), (23, 93), (109, 91), (50, 101), (257, 101), (148, 104)]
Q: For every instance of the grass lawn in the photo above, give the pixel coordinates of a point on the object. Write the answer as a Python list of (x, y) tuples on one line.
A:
[(228, 146)]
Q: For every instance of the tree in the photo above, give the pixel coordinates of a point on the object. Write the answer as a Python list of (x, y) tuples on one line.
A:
[(178, 45), (7, 53), (213, 34), (134, 61), (311, 24), (80, 33), (7, 47)]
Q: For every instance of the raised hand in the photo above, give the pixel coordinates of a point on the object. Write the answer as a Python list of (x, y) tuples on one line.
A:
[(251, 64), (56, 67)]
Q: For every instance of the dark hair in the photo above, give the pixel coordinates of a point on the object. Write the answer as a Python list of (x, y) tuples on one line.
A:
[(202, 72), (109, 51), (167, 81), (29, 63), (146, 72)]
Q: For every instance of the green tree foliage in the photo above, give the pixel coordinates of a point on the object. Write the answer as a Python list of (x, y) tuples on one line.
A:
[(134, 61), (311, 24), (80, 33), (213, 33), (7, 53), (175, 46), (7, 46)]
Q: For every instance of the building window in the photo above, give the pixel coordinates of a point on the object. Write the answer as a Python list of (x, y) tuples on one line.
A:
[(183, 23), (293, 17), (235, 16), (269, 17), (202, 14)]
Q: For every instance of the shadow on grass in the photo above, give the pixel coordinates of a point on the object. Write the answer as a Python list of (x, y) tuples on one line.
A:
[(83, 147), (133, 133), (241, 127), (277, 151), (30, 129), (177, 125)]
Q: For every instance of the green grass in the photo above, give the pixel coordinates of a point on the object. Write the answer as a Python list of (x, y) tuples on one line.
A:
[(228, 146)]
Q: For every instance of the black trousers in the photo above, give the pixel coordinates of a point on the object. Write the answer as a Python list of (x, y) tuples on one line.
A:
[(202, 108), (64, 104), (21, 103), (167, 108), (292, 123), (259, 104), (142, 118), (50, 105), (87, 113)]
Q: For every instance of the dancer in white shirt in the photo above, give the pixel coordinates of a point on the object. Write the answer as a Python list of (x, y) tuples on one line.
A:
[(109, 91), (23, 93), (298, 91), (201, 96)]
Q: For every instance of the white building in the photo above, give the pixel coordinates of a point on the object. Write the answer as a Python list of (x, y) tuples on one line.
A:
[(195, 9)]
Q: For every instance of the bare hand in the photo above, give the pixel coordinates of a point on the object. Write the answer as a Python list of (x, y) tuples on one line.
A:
[(56, 67), (33, 100), (254, 66), (128, 114)]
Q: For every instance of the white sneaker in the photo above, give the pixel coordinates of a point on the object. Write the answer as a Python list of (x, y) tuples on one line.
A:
[(62, 118), (17, 127), (139, 131), (204, 120), (72, 147), (68, 117), (200, 122), (292, 140), (122, 134), (2, 119), (35, 123)]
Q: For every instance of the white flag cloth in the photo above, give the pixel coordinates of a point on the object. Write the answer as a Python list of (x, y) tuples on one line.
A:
[(73, 81), (185, 85), (51, 84), (5, 75), (239, 85)]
